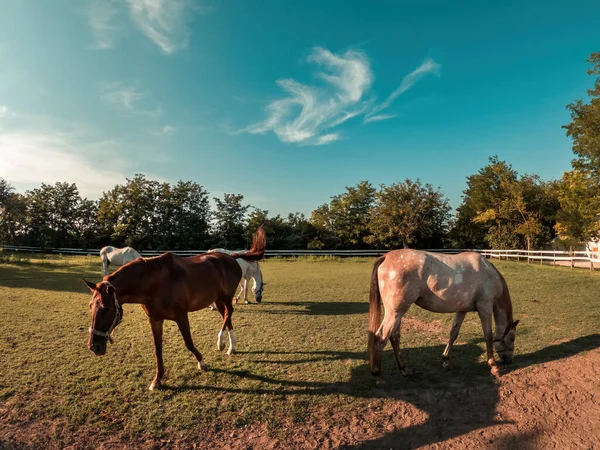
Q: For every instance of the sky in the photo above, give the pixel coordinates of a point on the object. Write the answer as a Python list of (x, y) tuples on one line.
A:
[(288, 102)]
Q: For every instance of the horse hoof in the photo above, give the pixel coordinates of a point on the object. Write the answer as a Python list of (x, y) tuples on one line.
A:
[(202, 366), (153, 386), (231, 351), (246, 302), (496, 372), (406, 372), (221, 347), (446, 364)]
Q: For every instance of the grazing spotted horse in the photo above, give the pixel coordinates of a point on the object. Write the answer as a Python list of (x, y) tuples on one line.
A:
[(439, 283), (168, 287)]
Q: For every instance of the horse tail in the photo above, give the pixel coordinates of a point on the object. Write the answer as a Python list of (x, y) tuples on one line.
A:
[(374, 312), (257, 251)]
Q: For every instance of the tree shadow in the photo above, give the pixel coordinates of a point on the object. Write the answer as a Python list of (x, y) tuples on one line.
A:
[(51, 275), (330, 308), (456, 401)]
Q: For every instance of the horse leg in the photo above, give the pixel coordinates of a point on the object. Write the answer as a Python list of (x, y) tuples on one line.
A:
[(232, 340), (157, 333), (221, 307), (458, 320), (390, 326), (184, 327), (395, 341), (486, 325), (246, 290), (237, 297)]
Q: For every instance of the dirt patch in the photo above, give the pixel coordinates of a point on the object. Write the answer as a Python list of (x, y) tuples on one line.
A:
[(434, 326), (550, 405)]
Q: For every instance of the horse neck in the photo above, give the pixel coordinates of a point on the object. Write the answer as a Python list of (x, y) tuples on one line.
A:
[(503, 316), (129, 282)]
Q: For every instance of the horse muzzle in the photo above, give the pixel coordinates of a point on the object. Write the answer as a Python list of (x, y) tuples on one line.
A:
[(98, 348)]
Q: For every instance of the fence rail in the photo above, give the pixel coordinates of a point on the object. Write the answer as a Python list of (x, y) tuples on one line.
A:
[(268, 252), (560, 257)]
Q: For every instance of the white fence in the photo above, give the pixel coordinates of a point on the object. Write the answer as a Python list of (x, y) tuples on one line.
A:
[(554, 257), (268, 253)]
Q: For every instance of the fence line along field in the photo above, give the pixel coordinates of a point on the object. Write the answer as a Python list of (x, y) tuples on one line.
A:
[(299, 378)]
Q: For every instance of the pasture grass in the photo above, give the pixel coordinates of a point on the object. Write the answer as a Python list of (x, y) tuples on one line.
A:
[(302, 350)]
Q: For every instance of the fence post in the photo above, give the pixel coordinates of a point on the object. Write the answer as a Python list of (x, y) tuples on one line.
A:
[(541, 260), (572, 257), (554, 259)]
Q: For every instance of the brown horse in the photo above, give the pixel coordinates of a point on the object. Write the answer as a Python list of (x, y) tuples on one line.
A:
[(439, 283), (168, 287)]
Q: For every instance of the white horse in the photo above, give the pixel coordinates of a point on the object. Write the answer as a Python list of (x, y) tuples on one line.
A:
[(250, 270), (117, 256)]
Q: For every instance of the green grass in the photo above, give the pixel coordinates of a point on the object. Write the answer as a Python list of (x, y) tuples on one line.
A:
[(299, 352)]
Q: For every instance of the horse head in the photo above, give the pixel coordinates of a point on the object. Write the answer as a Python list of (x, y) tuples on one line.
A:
[(107, 313), (505, 346)]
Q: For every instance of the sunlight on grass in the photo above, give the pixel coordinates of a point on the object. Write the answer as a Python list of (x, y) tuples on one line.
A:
[(301, 350)]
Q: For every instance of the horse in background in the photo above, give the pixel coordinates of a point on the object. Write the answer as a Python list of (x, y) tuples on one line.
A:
[(117, 256), (250, 270), (168, 287), (439, 283)]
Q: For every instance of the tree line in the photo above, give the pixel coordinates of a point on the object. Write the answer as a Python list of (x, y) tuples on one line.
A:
[(500, 209)]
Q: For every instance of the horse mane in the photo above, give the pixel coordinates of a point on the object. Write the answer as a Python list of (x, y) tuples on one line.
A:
[(503, 302)]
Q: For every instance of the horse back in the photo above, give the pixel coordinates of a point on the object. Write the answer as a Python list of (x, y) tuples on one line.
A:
[(440, 282)]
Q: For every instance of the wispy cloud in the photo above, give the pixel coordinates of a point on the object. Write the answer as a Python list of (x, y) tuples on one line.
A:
[(328, 138), (102, 15), (308, 113), (165, 22), (129, 99), (347, 78), (429, 66), (3, 111), (379, 117)]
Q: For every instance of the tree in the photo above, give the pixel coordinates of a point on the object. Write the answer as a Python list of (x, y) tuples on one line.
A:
[(408, 214), (184, 214), (52, 212), (229, 217), (486, 191), (129, 214), (347, 216), (584, 128), (12, 214), (578, 219), (523, 209)]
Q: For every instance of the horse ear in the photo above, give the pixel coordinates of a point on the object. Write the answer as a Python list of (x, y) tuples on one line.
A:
[(515, 323), (91, 286), (264, 284)]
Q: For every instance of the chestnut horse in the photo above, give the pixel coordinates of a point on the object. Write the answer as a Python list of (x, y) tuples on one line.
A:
[(168, 287), (439, 283)]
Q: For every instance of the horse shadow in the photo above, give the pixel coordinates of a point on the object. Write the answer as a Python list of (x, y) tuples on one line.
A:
[(456, 401)]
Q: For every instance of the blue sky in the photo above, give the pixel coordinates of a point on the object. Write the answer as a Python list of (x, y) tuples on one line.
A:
[(287, 102)]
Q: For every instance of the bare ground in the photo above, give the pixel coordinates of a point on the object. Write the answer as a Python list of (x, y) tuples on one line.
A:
[(550, 405)]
